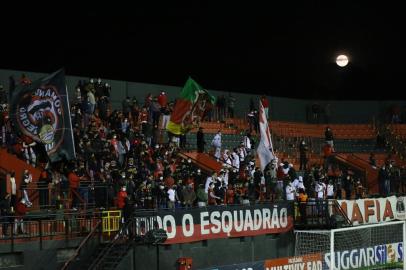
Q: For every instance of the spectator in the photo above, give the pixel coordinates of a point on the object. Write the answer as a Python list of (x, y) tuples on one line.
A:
[(172, 197), (212, 198), (166, 116), (13, 190), (126, 106), (348, 184), (216, 144), (26, 179), (20, 212), (328, 135), (121, 197), (231, 105), (359, 190), (302, 199), (5, 210), (316, 112), (202, 196), (303, 155), (43, 183), (330, 190), (74, 182), (372, 161), (200, 140), (290, 192), (163, 99), (189, 195)]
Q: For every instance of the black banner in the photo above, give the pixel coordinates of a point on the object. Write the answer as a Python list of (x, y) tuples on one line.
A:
[(41, 111), (188, 225)]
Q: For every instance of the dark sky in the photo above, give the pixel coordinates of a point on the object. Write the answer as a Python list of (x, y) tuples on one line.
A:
[(278, 49)]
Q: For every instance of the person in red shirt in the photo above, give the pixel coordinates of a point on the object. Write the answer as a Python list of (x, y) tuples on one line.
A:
[(328, 152), (121, 196), (230, 194), (163, 99), (74, 182)]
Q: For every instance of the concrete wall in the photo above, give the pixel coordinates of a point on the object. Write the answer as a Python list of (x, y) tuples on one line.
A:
[(212, 252), (208, 253)]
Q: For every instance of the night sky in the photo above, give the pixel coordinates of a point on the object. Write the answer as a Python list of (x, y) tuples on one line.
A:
[(276, 49)]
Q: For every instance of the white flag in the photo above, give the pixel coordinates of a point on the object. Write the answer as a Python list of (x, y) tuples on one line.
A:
[(265, 148)]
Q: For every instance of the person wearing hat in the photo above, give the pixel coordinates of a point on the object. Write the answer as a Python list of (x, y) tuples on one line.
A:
[(200, 140)]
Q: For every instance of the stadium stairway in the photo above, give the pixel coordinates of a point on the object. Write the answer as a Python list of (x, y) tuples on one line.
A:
[(370, 174)]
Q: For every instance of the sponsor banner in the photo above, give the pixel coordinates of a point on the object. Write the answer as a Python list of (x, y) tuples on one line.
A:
[(188, 225), (41, 111), (305, 262), (375, 257), (377, 210), (388, 255)]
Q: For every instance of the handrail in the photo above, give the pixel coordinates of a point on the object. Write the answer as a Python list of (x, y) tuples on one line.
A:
[(201, 165), (77, 251), (96, 263), (341, 211), (341, 158)]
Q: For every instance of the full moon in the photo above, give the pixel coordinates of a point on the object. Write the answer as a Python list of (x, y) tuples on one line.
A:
[(342, 60)]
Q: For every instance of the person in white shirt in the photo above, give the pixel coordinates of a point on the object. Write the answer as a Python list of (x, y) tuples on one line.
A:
[(290, 192), (300, 184), (330, 190), (13, 187), (247, 143), (216, 143), (209, 180), (320, 189), (236, 159), (171, 198), (226, 158)]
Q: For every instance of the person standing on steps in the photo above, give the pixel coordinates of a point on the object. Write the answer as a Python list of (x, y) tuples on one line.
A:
[(303, 155), (200, 140)]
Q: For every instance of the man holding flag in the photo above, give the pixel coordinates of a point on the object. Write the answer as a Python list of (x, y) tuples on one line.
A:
[(189, 108), (265, 148)]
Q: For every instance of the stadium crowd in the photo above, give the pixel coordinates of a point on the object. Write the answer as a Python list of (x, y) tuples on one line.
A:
[(124, 158)]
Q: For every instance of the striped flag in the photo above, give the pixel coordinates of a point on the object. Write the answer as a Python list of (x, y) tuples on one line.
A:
[(265, 148)]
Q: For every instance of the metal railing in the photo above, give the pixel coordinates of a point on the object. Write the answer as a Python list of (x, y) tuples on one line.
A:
[(49, 227), (85, 242)]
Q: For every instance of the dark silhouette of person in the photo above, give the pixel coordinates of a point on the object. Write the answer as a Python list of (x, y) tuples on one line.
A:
[(200, 140)]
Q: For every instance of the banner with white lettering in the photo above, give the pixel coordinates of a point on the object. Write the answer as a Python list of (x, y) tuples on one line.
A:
[(196, 224), (388, 256), (366, 211), (304, 262)]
